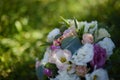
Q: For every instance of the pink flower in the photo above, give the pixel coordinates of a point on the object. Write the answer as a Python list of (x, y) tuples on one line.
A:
[(99, 57), (55, 45), (69, 32), (81, 70), (87, 38), (47, 72)]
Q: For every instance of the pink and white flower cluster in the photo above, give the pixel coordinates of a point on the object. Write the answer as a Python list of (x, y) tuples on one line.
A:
[(88, 61)]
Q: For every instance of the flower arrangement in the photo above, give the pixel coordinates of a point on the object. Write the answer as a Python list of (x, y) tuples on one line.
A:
[(77, 51)]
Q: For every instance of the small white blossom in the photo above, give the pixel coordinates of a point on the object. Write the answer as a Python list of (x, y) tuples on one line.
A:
[(82, 24), (101, 33), (88, 27), (84, 55), (91, 27), (52, 34), (107, 44), (71, 22)]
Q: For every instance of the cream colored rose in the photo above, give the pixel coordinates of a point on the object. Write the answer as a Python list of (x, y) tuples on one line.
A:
[(87, 38)]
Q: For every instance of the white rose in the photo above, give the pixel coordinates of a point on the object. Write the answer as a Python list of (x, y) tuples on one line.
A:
[(107, 44), (52, 34), (84, 55), (101, 33), (100, 74)]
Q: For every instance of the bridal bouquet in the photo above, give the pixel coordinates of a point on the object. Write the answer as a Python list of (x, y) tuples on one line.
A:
[(77, 51)]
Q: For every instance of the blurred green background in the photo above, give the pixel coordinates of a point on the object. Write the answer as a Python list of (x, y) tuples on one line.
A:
[(24, 25)]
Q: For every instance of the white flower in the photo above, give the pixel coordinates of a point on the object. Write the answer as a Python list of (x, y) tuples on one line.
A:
[(107, 44), (82, 24), (99, 74), (52, 34), (91, 27), (72, 22), (101, 33), (61, 58), (88, 27), (46, 56), (63, 75), (84, 55)]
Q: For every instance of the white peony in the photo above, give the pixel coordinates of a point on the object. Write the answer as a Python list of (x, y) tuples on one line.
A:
[(84, 55), (52, 34), (99, 74), (101, 33), (107, 44), (63, 75)]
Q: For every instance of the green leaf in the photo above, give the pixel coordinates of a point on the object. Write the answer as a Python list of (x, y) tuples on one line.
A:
[(66, 22), (46, 44), (75, 21), (81, 32)]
